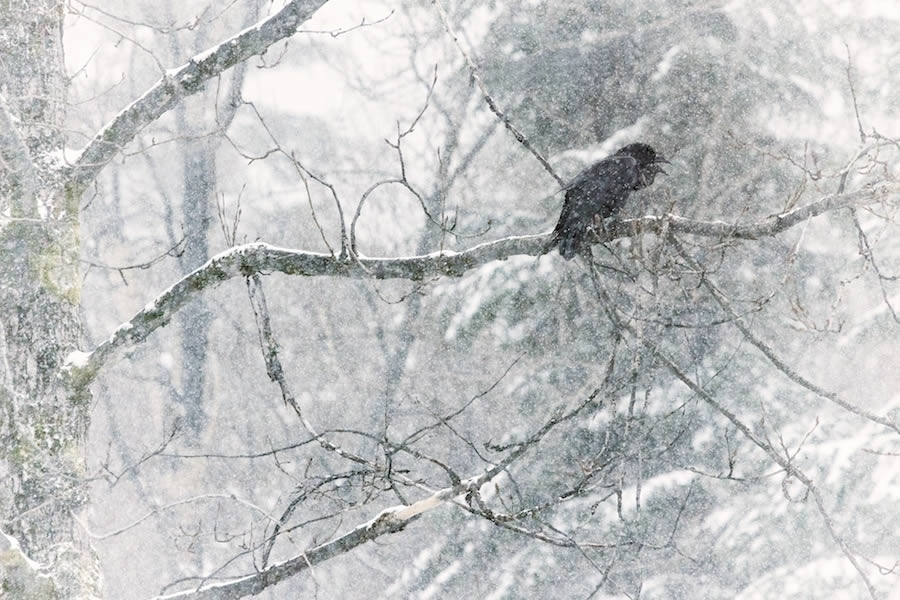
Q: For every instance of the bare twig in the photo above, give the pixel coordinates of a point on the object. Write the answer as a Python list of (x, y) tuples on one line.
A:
[(654, 348), (444, 420), (359, 208), (114, 477), (171, 505), (200, 19), (868, 254), (174, 251), (770, 353), (341, 31), (862, 133), (302, 172), (520, 137), (229, 230), (122, 36), (402, 180)]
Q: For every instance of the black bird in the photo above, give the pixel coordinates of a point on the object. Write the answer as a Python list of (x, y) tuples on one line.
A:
[(600, 191)]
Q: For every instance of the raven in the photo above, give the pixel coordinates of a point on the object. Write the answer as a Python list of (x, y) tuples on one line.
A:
[(600, 191)]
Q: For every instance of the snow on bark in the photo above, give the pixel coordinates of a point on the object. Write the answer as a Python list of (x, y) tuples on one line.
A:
[(184, 81), (259, 257)]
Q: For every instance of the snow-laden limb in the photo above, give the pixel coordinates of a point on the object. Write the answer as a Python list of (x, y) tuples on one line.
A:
[(259, 257), (243, 261), (390, 520), (184, 81), (19, 172)]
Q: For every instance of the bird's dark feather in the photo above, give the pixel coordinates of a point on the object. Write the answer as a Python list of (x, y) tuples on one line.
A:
[(601, 191)]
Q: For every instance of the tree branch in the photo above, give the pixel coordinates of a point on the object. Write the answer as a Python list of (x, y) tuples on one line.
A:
[(785, 462), (390, 520), (473, 69), (766, 227), (184, 81), (243, 261), (770, 352)]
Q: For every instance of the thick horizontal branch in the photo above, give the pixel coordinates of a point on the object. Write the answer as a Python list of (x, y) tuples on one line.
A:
[(184, 81), (251, 259)]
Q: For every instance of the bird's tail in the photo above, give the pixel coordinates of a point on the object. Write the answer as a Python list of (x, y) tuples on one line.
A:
[(568, 247), (568, 240)]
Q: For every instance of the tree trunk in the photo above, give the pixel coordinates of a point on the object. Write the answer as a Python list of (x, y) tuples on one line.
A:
[(42, 426)]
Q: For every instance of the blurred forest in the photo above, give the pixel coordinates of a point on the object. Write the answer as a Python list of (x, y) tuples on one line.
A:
[(705, 410)]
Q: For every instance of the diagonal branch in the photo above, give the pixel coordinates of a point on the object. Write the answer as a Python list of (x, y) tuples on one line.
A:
[(184, 81), (785, 462), (18, 166), (275, 370), (390, 520), (770, 352), (473, 69)]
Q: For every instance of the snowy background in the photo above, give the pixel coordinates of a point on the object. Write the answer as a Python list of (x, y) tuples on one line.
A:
[(650, 493)]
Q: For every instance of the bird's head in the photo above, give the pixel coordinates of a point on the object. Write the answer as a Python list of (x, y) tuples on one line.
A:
[(649, 161)]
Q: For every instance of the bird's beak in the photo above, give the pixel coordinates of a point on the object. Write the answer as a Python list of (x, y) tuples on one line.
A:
[(661, 159)]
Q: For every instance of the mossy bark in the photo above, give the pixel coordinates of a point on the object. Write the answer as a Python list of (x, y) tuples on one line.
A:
[(42, 425)]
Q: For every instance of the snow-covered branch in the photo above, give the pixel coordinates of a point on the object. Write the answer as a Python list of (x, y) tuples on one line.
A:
[(184, 81), (259, 257), (251, 259), (766, 227), (390, 520)]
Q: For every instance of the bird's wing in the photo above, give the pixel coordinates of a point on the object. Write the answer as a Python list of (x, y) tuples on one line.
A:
[(595, 190), (598, 191), (600, 188), (616, 170)]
